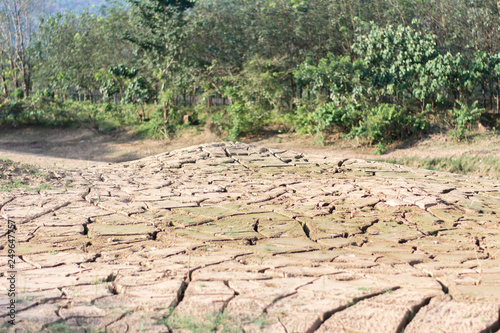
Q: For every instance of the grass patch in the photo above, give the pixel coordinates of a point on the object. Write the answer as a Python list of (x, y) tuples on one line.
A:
[(212, 322), (261, 321), (7, 186), (59, 328), (14, 175), (488, 166)]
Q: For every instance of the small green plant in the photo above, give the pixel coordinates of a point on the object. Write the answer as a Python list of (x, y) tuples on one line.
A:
[(231, 232), (381, 149), (464, 116), (17, 94), (212, 322), (364, 288), (99, 281), (237, 112), (352, 303), (261, 321)]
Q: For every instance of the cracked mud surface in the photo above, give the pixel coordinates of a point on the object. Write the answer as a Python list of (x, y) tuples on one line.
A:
[(233, 237)]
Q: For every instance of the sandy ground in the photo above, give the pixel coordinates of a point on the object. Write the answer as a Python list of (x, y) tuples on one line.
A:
[(80, 148)]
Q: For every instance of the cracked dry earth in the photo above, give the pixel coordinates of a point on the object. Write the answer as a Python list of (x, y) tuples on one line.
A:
[(236, 238)]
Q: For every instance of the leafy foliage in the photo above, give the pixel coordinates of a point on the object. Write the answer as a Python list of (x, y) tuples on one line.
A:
[(73, 50), (465, 115), (367, 69)]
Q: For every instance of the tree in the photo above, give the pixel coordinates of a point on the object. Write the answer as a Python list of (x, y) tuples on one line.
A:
[(395, 60), (73, 50), (160, 30), (17, 25)]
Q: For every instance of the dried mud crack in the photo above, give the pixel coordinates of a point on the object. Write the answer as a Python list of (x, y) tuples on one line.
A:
[(233, 237)]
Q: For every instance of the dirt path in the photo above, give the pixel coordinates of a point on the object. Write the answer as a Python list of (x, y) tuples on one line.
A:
[(233, 237), (80, 148)]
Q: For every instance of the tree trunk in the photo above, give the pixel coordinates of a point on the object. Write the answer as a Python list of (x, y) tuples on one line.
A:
[(165, 114), (498, 100), (26, 81), (4, 84), (491, 97)]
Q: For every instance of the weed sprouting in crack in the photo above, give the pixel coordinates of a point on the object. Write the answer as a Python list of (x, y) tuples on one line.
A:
[(218, 321)]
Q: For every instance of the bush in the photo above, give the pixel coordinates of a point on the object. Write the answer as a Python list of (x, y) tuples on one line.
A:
[(17, 94), (237, 113), (43, 110), (382, 123), (385, 123), (466, 115), (303, 119), (343, 117)]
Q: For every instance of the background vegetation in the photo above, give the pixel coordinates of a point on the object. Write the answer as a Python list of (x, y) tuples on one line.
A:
[(376, 70)]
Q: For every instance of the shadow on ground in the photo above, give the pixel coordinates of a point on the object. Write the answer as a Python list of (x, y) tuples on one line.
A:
[(77, 144)]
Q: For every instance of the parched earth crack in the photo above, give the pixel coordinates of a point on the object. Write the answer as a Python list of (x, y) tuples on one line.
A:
[(86, 229), (493, 328), (86, 194), (364, 228), (268, 198), (32, 263), (355, 300), (32, 234), (412, 313), (280, 297), (305, 228), (294, 218), (294, 252), (52, 210), (6, 202), (125, 314), (445, 289), (188, 279)]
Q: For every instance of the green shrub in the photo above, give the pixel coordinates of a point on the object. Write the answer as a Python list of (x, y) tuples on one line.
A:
[(385, 123), (43, 110), (158, 128), (382, 123), (464, 116), (237, 112), (344, 117), (303, 119), (17, 94)]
